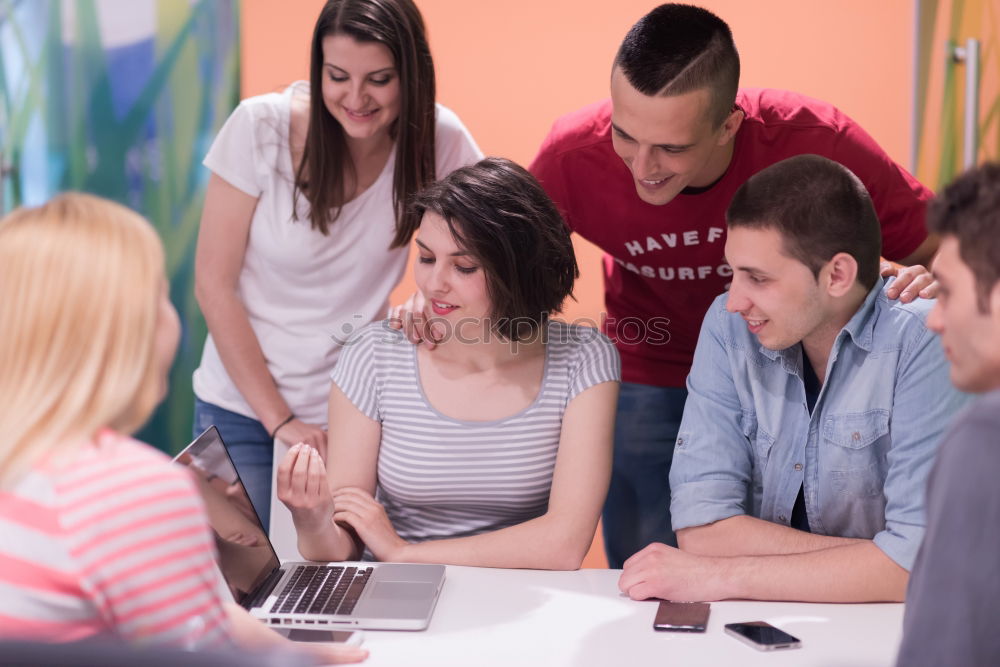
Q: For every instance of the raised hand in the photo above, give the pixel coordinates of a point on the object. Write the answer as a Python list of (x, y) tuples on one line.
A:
[(303, 487)]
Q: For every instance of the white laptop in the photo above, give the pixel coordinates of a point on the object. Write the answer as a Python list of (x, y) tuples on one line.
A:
[(306, 595)]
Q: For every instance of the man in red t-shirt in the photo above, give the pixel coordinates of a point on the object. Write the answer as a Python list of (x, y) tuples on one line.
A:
[(647, 177)]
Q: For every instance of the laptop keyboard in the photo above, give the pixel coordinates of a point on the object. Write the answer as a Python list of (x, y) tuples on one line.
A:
[(315, 589)]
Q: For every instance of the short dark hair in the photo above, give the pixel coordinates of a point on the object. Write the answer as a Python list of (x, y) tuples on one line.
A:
[(499, 214), (969, 210), (398, 25), (820, 208), (676, 49)]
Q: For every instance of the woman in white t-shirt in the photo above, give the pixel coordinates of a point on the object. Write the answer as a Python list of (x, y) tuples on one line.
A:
[(304, 232), (493, 448)]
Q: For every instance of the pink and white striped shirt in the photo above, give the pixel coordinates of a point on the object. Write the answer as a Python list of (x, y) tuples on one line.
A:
[(113, 540)]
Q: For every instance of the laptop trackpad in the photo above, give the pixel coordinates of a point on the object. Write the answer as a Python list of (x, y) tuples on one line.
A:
[(402, 590), (398, 600)]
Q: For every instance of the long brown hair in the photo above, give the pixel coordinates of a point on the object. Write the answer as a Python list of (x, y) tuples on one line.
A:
[(397, 24)]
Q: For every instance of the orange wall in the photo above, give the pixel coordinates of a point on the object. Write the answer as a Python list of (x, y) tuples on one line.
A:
[(510, 67)]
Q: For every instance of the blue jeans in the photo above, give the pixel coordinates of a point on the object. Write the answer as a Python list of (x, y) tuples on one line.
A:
[(637, 510), (249, 445)]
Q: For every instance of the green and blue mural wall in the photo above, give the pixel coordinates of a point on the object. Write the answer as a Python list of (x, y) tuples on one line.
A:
[(122, 98)]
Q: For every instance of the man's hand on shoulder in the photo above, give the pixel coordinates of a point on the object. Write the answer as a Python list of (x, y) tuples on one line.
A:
[(911, 282), (410, 319)]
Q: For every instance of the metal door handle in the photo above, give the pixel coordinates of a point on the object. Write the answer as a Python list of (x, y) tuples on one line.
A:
[(969, 55)]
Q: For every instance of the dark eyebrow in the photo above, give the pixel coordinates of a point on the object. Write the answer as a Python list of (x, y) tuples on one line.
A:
[(460, 253), (752, 270), (670, 147), (378, 71), (622, 133)]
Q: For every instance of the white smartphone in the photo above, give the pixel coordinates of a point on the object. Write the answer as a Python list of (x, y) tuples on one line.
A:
[(346, 637), (762, 636)]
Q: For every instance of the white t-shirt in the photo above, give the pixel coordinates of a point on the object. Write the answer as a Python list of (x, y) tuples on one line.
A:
[(306, 293)]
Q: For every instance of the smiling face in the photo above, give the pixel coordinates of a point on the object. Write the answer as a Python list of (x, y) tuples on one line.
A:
[(668, 142), (360, 86), (778, 296), (451, 280), (970, 337)]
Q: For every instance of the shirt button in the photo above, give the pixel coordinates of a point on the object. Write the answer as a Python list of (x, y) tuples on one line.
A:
[(798, 466), (855, 436), (680, 442), (781, 517)]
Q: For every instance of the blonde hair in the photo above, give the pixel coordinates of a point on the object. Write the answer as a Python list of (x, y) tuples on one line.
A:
[(79, 296)]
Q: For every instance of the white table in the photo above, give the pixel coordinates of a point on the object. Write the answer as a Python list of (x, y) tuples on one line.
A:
[(527, 617)]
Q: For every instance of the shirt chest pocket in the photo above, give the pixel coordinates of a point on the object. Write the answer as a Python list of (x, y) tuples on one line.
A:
[(760, 445), (854, 452)]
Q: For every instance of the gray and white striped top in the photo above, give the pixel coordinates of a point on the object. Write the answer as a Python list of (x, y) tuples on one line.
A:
[(440, 477)]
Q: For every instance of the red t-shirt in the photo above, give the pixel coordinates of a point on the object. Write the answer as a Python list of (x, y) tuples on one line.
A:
[(663, 265)]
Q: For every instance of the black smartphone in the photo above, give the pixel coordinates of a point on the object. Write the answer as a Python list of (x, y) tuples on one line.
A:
[(762, 636), (681, 616)]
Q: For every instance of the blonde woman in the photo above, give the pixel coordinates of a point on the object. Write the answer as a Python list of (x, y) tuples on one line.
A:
[(101, 534)]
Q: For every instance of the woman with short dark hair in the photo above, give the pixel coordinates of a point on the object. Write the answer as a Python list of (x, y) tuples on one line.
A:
[(492, 449)]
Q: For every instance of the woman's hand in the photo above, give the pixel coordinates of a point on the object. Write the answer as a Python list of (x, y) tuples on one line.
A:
[(331, 654), (358, 509), (297, 431), (251, 634), (304, 489)]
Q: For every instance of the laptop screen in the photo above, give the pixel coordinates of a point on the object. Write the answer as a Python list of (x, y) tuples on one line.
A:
[(246, 557)]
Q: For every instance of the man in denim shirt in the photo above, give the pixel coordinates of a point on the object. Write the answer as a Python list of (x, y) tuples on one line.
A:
[(815, 406)]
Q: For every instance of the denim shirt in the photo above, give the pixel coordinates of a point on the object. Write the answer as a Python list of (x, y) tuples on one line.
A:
[(747, 442)]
